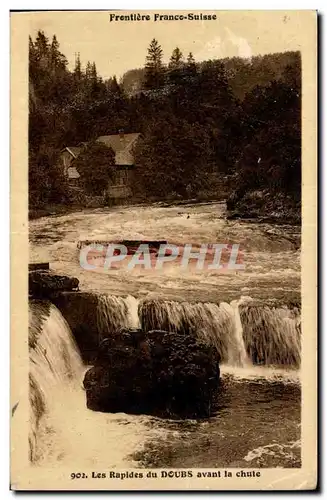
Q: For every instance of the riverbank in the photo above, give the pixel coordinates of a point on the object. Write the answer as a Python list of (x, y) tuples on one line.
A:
[(264, 206), (100, 203), (254, 206), (48, 210)]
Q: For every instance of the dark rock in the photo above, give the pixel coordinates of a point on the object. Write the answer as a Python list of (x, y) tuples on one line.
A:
[(80, 311), (158, 373), (39, 266), (45, 284)]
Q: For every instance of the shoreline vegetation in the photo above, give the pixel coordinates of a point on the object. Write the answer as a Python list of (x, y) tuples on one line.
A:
[(256, 206), (223, 129), (264, 206)]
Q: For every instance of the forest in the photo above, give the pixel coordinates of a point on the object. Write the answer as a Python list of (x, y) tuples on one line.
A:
[(233, 119)]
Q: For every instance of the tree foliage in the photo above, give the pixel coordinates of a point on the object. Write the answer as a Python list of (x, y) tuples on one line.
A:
[(271, 138), (95, 164), (154, 68), (176, 59), (235, 117), (174, 157)]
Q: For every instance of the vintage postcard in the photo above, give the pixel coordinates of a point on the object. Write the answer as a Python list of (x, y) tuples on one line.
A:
[(164, 199)]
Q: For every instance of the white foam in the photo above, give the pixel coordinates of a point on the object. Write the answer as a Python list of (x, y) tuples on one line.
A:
[(261, 373)]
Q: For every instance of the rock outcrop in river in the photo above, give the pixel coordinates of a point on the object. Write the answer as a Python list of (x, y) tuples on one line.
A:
[(157, 373), (44, 284)]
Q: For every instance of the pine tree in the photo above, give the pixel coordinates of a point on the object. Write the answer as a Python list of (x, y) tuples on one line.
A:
[(94, 75), (42, 50), (191, 68), (176, 59), (190, 59), (88, 71), (78, 68), (54, 53), (176, 68), (95, 82), (42, 44), (32, 59), (113, 85), (57, 59), (31, 48), (154, 69)]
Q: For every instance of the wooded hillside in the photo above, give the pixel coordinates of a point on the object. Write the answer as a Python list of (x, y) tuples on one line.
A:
[(231, 117)]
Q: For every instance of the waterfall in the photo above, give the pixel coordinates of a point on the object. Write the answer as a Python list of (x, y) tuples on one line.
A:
[(62, 430), (218, 325), (54, 363), (114, 313), (242, 333), (272, 335), (238, 330)]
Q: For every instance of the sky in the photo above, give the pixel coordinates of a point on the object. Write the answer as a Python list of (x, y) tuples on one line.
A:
[(119, 46)]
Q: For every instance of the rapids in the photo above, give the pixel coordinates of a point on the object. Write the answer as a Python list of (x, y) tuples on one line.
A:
[(271, 253), (252, 317)]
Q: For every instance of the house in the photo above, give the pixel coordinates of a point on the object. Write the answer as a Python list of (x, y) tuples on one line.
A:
[(122, 144)]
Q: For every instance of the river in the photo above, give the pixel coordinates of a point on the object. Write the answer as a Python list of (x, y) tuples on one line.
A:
[(271, 253), (257, 422)]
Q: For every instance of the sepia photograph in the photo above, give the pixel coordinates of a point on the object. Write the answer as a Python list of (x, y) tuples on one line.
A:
[(165, 204)]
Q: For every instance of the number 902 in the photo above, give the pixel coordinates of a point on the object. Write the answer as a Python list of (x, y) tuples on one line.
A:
[(78, 475)]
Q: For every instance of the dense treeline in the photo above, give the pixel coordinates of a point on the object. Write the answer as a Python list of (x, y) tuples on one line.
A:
[(231, 117), (242, 75)]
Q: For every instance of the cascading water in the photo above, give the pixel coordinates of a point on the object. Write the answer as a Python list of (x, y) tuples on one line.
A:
[(62, 429), (114, 313), (272, 335), (213, 323), (260, 400), (54, 363), (238, 332), (242, 333)]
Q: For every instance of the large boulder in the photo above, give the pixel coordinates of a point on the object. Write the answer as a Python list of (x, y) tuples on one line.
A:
[(157, 373), (44, 284)]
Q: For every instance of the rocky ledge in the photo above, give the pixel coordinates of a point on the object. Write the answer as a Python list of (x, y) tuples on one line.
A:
[(157, 373), (44, 284)]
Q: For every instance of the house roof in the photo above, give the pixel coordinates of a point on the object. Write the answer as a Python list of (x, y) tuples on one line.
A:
[(122, 146)]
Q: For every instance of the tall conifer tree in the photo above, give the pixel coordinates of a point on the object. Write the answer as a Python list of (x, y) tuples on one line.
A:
[(154, 68), (176, 59)]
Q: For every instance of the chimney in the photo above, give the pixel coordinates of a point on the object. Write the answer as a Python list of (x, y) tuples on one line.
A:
[(121, 134)]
